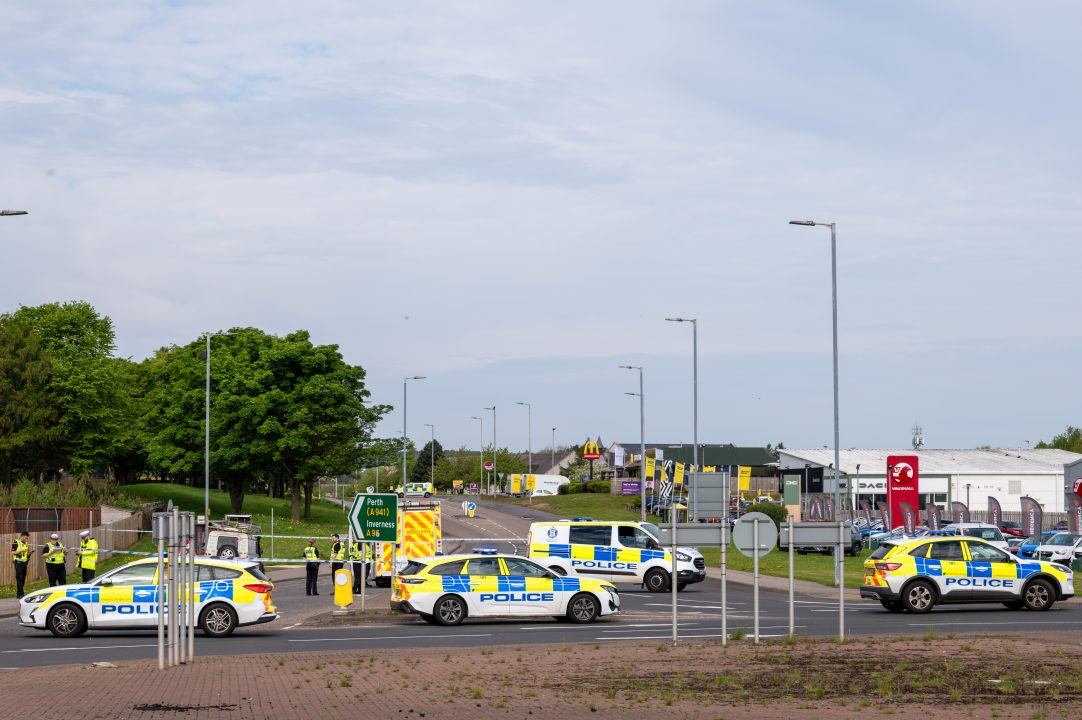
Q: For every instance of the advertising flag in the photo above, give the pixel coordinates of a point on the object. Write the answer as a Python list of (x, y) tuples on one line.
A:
[(828, 509), (649, 467), (743, 475), (909, 517), (934, 520), (1032, 516), (959, 511), (678, 475), (884, 514), (995, 512), (1074, 514), (866, 508)]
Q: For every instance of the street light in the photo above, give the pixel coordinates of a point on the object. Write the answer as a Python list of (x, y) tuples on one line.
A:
[(552, 457), (432, 455), (492, 477), (405, 437), (206, 432), (529, 436), (481, 483), (695, 408), (8, 213), (642, 438), (834, 302)]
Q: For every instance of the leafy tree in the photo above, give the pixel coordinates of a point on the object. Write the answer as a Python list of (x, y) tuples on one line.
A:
[(28, 410), (432, 451), (461, 464), (1069, 439)]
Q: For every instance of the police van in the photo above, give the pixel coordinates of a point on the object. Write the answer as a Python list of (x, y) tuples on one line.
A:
[(616, 551), (229, 594)]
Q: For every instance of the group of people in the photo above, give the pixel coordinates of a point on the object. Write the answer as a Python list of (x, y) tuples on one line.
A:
[(54, 554), (359, 555)]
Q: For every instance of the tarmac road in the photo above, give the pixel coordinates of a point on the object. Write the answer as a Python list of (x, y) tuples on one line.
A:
[(645, 617)]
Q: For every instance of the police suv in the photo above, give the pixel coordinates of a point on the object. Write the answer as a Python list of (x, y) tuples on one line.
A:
[(229, 594), (616, 551), (917, 574)]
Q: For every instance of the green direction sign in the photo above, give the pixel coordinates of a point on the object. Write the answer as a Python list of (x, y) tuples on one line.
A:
[(374, 517)]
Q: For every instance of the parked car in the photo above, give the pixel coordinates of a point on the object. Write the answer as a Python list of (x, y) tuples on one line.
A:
[(1011, 528), (984, 531), (1030, 544), (1061, 548)]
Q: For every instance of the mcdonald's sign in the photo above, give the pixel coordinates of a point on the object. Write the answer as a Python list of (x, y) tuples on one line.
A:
[(590, 450)]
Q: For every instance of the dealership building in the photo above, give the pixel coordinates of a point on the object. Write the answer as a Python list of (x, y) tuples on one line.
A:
[(970, 476)]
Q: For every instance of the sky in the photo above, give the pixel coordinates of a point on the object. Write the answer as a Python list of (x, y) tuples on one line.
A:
[(510, 198)]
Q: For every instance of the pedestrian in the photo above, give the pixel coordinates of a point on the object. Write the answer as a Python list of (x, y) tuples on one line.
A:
[(20, 555), (357, 555), (88, 555), (311, 568), (338, 555), (54, 561)]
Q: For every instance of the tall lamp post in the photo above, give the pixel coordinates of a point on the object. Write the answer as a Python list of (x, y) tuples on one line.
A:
[(493, 476), (695, 408), (529, 436), (480, 420), (834, 303), (206, 433), (642, 438), (552, 456), (432, 454), (405, 437)]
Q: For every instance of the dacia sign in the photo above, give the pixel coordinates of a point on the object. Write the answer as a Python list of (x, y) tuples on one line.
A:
[(374, 517)]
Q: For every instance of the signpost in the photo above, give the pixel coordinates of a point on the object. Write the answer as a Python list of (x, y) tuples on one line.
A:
[(755, 535), (374, 518)]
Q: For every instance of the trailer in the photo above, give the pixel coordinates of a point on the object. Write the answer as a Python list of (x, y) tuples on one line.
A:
[(420, 534)]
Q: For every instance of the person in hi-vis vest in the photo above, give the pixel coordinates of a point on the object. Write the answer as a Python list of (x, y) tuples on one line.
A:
[(338, 555), (88, 555), (54, 561), (311, 568), (20, 555)]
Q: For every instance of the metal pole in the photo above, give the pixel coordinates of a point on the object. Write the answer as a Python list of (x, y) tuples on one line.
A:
[(432, 457), (192, 586), (404, 442), (695, 425), (272, 533), (552, 456), (755, 575), (182, 605), (792, 600), (724, 564), (841, 585), (493, 476), (642, 446), (364, 574), (837, 453), (175, 529), (159, 531), (206, 446), (674, 577)]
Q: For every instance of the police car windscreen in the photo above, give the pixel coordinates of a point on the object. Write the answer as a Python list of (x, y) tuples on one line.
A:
[(653, 530), (412, 568)]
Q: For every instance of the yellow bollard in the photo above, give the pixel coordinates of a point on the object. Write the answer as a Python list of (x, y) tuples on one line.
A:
[(343, 588)]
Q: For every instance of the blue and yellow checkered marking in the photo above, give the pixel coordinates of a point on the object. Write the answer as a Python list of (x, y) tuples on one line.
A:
[(566, 584)]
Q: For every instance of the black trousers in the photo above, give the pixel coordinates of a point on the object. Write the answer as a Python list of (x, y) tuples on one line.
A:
[(357, 576), (335, 567), (311, 573), (56, 573), (88, 575), (20, 577)]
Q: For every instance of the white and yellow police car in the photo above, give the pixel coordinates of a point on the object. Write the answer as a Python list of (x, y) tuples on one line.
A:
[(445, 590), (229, 594), (917, 574), (616, 551)]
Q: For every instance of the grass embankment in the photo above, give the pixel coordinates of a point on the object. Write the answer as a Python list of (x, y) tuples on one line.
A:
[(325, 519), (814, 568)]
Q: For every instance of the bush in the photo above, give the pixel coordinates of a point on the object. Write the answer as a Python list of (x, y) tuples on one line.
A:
[(775, 512)]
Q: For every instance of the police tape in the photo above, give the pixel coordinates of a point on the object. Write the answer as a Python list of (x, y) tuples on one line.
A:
[(345, 533)]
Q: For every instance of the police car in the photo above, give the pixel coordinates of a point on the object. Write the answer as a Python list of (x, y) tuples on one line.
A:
[(230, 594), (446, 590), (616, 551), (917, 574)]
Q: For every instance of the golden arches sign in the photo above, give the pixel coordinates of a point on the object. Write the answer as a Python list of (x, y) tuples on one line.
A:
[(591, 450)]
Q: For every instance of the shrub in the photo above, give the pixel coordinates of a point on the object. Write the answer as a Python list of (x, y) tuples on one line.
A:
[(775, 512)]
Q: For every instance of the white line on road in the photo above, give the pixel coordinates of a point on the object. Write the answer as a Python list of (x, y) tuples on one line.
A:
[(390, 637), (87, 647), (1000, 622)]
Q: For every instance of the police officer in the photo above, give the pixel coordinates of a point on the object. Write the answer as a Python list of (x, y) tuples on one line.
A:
[(54, 560), (360, 552), (88, 555), (20, 555), (338, 555), (311, 568)]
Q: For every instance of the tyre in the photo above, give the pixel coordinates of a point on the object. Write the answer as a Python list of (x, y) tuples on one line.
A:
[(680, 586), (1015, 605), (428, 495), (1038, 595), (227, 552), (218, 620), (656, 580), (558, 570), (449, 610), (428, 618), (918, 597), (894, 606), (583, 608), (66, 621)]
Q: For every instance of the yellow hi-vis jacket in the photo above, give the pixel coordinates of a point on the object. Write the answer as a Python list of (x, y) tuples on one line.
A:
[(54, 553), (20, 551), (88, 554)]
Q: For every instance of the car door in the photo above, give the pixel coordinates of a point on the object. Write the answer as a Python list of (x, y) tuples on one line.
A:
[(592, 550), (484, 596), (127, 597), (530, 587), (947, 566), (636, 548), (992, 571)]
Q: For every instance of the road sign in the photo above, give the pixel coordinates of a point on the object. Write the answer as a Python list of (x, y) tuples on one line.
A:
[(474, 488), (488, 465), (743, 532), (374, 517)]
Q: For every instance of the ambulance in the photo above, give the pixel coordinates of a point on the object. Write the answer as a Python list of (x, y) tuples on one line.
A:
[(616, 551), (229, 594), (420, 534)]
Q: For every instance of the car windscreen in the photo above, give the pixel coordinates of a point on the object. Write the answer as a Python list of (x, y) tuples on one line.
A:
[(412, 568), (652, 529), (989, 533), (1063, 539)]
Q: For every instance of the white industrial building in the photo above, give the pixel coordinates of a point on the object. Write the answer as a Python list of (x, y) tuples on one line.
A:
[(945, 475)]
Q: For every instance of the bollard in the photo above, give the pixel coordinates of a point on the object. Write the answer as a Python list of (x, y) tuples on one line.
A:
[(343, 590)]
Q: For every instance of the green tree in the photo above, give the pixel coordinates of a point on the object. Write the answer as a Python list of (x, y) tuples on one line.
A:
[(28, 411), (1069, 439), (461, 464), (430, 453)]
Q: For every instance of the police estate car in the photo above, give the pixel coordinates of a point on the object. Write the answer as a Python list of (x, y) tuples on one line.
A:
[(617, 551), (230, 594), (445, 590), (916, 574)]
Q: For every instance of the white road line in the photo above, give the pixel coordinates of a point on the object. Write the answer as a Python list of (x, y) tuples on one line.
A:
[(87, 647), (390, 637), (999, 623)]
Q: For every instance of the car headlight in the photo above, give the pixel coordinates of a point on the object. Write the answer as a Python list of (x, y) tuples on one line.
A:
[(36, 598), (682, 557)]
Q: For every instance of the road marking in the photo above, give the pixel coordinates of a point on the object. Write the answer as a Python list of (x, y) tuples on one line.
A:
[(87, 647), (1000, 622), (391, 637)]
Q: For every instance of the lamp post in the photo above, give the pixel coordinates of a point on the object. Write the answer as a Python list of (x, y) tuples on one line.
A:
[(529, 436), (642, 438), (834, 304), (206, 433), (552, 456), (695, 408), (432, 455), (481, 482), (493, 476), (405, 437)]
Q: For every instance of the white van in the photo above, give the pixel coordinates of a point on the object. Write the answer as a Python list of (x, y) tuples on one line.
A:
[(617, 551)]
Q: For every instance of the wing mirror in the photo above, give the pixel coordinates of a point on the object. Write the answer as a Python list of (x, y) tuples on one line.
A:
[(105, 583)]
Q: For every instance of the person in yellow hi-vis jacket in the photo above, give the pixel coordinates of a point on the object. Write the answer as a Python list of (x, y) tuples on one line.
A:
[(360, 552), (338, 554), (311, 568), (54, 560), (20, 555), (88, 555)]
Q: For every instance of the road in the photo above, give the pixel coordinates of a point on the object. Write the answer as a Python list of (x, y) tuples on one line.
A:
[(645, 618)]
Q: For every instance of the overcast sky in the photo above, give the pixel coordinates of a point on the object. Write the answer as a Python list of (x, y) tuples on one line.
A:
[(510, 197)]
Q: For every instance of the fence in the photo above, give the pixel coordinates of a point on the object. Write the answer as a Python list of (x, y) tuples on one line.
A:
[(116, 536), (50, 520)]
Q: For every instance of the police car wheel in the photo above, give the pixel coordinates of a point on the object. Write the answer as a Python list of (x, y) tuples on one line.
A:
[(657, 580), (1015, 605), (892, 605), (1038, 595), (428, 618), (66, 620), (918, 597), (449, 610), (218, 620), (583, 608)]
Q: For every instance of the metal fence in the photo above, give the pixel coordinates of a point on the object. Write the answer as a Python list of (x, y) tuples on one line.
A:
[(47, 519)]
